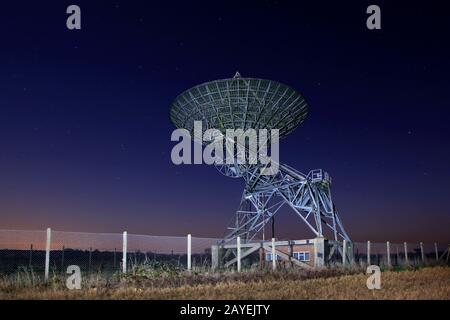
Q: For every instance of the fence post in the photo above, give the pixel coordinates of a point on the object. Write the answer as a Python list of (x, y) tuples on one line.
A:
[(406, 252), (189, 252), (388, 249), (436, 251), (344, 252), (238, 243), (274, 256), (47, 253), (368, 253), (422, 254), (124, 252)]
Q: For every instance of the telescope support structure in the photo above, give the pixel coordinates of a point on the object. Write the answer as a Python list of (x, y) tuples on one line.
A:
[(308, 196)]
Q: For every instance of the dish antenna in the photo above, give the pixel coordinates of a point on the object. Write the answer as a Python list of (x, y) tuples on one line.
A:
[(249, 103)]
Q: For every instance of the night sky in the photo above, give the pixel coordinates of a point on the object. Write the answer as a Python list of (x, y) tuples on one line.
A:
[(84, 115)]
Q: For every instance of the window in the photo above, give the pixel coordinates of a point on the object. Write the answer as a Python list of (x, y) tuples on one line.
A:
[(302, 256), (269, 256)]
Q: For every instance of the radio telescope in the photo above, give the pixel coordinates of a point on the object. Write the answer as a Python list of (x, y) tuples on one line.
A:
[(244, 103)]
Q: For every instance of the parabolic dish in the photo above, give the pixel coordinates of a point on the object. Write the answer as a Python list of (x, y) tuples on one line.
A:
[(240, 103)]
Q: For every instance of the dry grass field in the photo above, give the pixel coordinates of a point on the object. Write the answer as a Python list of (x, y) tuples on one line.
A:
[(425, 283)]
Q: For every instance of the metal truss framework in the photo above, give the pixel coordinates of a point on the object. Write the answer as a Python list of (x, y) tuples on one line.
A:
[(309, 196)]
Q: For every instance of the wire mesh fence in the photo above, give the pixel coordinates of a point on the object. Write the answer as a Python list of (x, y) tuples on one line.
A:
[(98, 252), (169, 250), (397, 254), (113, 252), (92, 252), (22, 249)]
